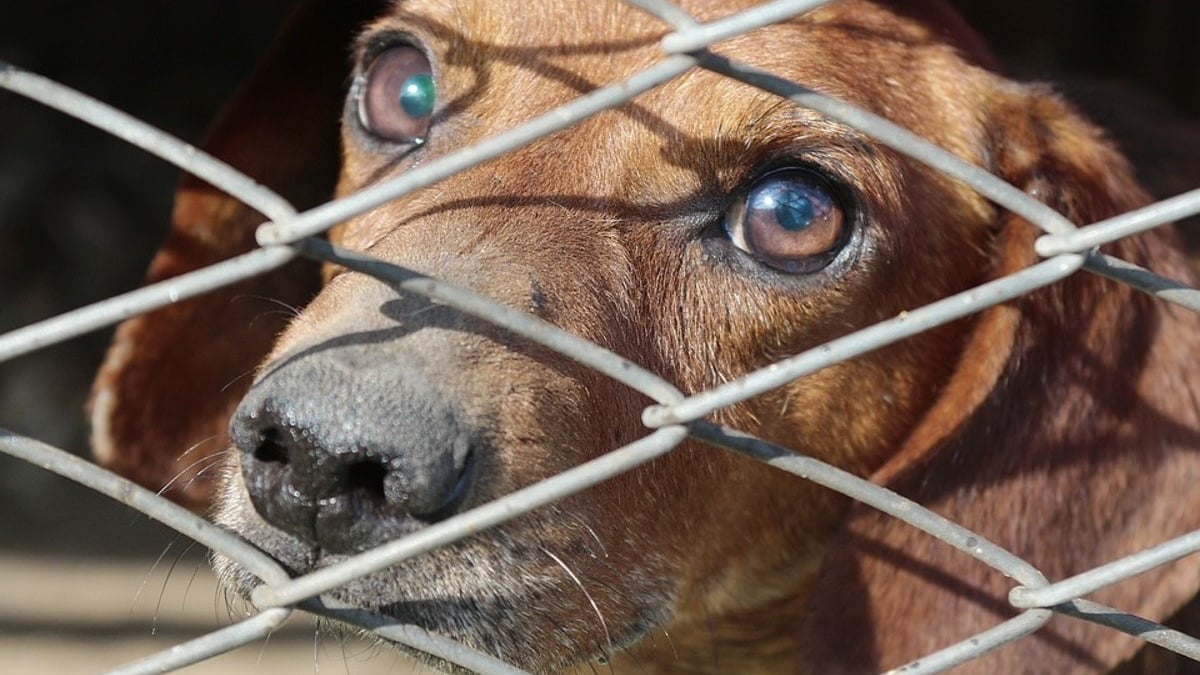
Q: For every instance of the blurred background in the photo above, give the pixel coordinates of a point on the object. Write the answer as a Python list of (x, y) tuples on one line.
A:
[(85, 583)]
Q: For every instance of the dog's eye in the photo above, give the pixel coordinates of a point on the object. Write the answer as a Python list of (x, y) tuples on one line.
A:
[(396, 96), (790, 220)]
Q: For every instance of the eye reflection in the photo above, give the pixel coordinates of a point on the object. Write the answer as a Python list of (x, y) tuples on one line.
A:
[(417, 95), (397, 95), (790, 220)]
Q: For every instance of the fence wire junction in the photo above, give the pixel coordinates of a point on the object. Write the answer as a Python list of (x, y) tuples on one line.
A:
[(674, 417)]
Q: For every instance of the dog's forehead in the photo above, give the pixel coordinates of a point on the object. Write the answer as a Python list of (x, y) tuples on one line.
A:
[(595, 42), (499, 64), (556, 50), (510, 22)]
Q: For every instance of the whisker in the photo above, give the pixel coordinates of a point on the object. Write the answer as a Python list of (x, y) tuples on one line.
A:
[(345, 656), (558, 627), (218, 593), (670, 641), (612, 590), (263, 649), (275, 312), (187, 589), (595, 607), (317, 649), (162, 592), (137, 515), (146, 579), (195, 445), (588, 528), (288, 310), (235, 380), (214, 457)]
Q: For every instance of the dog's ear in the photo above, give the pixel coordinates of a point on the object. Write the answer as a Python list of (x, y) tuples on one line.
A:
[(171, 378), (1066, 434)]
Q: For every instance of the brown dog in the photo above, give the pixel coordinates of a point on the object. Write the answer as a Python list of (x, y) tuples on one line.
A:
[(704, 230)]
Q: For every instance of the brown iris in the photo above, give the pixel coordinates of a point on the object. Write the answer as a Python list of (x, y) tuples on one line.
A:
[(789, 220), (396, 95)]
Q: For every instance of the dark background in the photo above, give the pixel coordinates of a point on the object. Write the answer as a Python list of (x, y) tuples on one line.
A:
[(1152, 44), (80, 212)]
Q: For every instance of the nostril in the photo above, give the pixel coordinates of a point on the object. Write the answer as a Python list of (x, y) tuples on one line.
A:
[(366, 478), (452, 500), (271, 449)]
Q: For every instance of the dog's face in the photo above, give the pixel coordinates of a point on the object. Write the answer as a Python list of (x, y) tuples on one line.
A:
[(704, 230)]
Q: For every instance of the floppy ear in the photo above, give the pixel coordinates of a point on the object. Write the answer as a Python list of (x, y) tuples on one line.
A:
[(171, 378), (1067, 435)]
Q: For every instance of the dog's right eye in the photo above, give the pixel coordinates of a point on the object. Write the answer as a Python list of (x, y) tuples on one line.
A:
[(396, 95), (789, 219)]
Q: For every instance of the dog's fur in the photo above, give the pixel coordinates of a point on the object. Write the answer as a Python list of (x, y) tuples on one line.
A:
[(1061, 425)]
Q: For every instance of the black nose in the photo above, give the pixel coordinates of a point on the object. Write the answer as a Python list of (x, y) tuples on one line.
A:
[(344, 453)]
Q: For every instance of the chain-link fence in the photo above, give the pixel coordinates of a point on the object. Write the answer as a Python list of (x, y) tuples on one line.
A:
[(1066, 249)]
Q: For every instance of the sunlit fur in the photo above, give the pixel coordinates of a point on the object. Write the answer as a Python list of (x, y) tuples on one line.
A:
[(1061, 425)]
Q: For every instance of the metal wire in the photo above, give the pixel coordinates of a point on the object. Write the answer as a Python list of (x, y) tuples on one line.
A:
[(690, 39), (520, 323), (876, 497), (414, 637), (168, 513), (674, 417), (489, 515), (1119, 227), (142, 135), (865, 340), (204, 647), (972, 648), (323, 217), (1105, 575), (1144, 280), (116, 309), (899, 139), (1150, 631)]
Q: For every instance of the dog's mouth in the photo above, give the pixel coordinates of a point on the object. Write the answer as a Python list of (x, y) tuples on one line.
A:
[(320, 477), (503, 591), (470, 624), (493, 598)]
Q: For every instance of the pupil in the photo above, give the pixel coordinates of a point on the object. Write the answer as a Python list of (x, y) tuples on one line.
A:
[(794, 211), (417, 96)]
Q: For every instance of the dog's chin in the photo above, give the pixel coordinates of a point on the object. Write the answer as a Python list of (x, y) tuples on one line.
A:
[(492, 593)]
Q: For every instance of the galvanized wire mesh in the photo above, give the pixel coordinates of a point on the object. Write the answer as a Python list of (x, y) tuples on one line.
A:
[(671, 420)]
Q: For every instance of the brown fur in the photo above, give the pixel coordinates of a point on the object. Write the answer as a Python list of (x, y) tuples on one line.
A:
[(1061, 425)]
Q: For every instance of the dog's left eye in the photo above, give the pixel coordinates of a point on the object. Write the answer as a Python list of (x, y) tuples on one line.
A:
[(790, 220), (396, 96)]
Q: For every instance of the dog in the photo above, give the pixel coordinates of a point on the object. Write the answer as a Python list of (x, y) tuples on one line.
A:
[(703, 230)]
